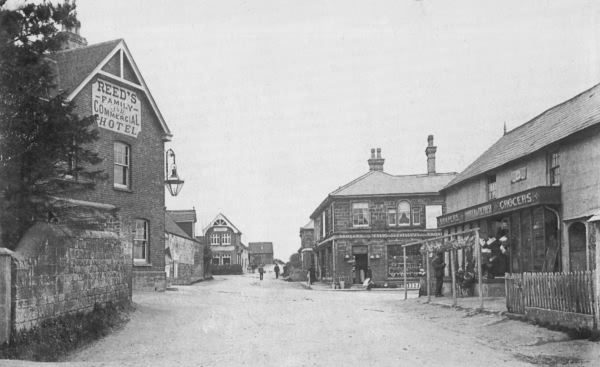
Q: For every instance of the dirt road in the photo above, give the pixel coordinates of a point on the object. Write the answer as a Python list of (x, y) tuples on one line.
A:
[(238, 321)]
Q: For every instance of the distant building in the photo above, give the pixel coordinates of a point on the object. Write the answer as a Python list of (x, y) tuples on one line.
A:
[(365, 222), (186, 220), (225, 241), (261, 252), (307, 242)]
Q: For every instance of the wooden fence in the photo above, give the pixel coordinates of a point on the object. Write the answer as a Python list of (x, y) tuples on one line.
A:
[(568, 292)]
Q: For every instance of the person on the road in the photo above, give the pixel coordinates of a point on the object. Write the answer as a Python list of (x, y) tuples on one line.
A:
[(438, 267), (311, 273), (276, 269), (369, 278), (261, 270)]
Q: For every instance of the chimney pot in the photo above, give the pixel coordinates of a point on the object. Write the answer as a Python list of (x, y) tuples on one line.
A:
[(373, 153), (376, 163), (378, 152), (430, 152)]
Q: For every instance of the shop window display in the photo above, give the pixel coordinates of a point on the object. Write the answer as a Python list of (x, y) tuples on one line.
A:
[(396, 261)]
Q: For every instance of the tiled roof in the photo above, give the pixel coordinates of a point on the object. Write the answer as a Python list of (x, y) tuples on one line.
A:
[(73, 66), (172, 227), (576, 114), (261, 247), (309, 225), (381, 183), (183, 215)]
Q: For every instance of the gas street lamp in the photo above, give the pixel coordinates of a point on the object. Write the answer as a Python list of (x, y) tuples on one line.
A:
[(173, 182)]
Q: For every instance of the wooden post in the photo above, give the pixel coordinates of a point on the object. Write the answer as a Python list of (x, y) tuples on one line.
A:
[(479, 275), (405, 290), (428, 274), (452, 270), (596, 295)]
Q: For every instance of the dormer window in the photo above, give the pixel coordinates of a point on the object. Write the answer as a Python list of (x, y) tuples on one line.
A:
[(220, 222)]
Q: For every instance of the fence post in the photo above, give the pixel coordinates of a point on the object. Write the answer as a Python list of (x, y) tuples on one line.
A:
[(452, 273), (428, 274), (5, 294), (479, 275), (405, 290)]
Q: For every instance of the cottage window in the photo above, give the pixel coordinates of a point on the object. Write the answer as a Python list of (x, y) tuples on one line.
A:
[(360, 214), (392, 217), (226, 239), (554, 171), (122, 156), (214, 239), (491, 187), (140, 241), (404, 213), (416, 216)]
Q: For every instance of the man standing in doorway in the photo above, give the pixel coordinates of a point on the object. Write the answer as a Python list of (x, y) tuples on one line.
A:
[(438, 266), (276, 269)]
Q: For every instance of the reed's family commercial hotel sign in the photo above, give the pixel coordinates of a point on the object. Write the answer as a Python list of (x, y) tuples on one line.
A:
[(116, 108)]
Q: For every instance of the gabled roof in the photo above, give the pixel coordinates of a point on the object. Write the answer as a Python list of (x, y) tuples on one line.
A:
[(567, 118), (227, 221), (76, 67), (183, 215), (173, 228), (261, 247)]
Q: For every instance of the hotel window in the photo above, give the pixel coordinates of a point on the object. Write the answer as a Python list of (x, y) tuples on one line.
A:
[(391, 217), (360, 214), (140, 241), (122, 156), (226, 239), (404, 213), (554, 171), (491, 187), (214, 239), (416, 216)]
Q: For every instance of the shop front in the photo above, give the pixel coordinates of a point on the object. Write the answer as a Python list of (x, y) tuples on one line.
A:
[(519, 233)]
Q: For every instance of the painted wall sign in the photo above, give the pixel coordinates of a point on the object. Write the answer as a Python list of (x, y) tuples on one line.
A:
[(219, 229), (536, 196), (116, 108), (518, 175)]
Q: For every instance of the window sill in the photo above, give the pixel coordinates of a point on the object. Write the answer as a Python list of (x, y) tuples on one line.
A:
[(142, 264), (123, 189)]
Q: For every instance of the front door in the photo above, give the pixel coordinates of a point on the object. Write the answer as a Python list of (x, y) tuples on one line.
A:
[(361, 262)]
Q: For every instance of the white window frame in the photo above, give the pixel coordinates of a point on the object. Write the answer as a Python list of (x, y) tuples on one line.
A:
[(226, 239), (218, 257), (215, 239), (141, 238), (491, 187), (225, 256), (404, 211), (416, 216), (392, 213), (554, 168), (122, 161), (361, 216)]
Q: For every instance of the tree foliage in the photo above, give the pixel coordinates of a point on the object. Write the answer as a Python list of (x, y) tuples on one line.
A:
[(45, 147)]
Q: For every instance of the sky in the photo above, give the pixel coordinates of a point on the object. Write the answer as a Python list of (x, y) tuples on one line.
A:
[(273, 104)]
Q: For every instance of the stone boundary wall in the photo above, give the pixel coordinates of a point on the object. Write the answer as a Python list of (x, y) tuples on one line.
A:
[(188, 254), (57, 269)]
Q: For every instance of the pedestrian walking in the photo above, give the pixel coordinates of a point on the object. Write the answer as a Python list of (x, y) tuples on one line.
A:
[(438, 267), (261, 270), (276, 269)]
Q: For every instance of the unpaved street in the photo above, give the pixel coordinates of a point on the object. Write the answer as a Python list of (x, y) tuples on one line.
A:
[(237, 321)]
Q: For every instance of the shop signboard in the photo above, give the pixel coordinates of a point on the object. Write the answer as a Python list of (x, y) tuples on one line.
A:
[(532, 197), (360, 249), (116, 108)]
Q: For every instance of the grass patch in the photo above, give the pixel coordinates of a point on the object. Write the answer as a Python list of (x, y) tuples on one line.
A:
[(55, 338)]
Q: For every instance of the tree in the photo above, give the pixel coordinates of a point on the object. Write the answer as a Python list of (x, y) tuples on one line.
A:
[(295, 260), (45, 147)]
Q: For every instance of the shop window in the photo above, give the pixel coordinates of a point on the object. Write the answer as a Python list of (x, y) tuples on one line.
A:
[(215, 260), (391, 217), (226, 238), (404, 213), (491, 186), (577, 243), (395, 259), (554, 168), (416, 216), (226, 259), (214, 239), (360, 214), (122, 157), (140, 241)]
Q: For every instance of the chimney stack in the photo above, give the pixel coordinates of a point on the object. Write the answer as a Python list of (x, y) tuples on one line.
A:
[(376, 163), (430, 152), (72, 39)]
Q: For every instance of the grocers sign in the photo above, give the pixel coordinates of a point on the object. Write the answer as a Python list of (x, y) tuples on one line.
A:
[(116, 108)]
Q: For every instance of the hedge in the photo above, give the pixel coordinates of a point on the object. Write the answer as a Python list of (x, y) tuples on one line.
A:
[(234, 269)]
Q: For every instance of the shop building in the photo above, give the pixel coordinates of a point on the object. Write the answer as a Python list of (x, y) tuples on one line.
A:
[(307, 242), (225, 241), (533, 194), (262, 252), (363, 224), (104, 81)]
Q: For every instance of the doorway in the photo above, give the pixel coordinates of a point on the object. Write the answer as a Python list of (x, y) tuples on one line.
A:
[(361, 262)]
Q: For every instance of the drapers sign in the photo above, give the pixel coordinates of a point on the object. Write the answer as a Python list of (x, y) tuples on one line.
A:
[(536, 196), (116, 108)]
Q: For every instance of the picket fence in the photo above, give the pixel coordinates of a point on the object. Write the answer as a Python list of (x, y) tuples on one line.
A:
[(569, 292)]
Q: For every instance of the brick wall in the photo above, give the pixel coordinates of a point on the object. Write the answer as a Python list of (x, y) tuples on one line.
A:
[(58, 269)]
